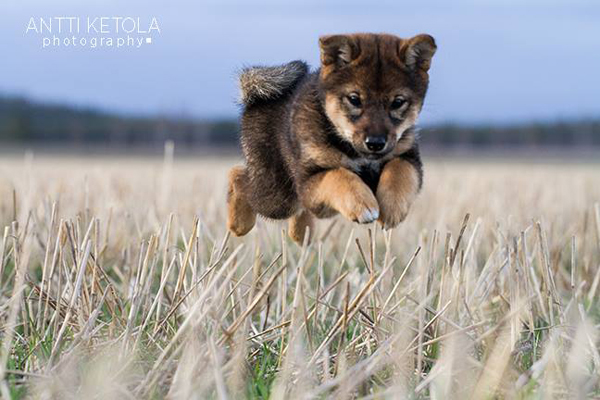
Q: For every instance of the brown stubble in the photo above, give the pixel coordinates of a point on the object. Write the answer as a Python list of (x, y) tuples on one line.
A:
[(462, 309)]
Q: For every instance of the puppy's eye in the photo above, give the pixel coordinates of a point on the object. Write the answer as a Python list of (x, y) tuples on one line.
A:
[(354, 99), (397, 103)]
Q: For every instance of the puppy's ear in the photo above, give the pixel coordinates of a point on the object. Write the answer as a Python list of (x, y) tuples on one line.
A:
[(418, 52), (337, 50)]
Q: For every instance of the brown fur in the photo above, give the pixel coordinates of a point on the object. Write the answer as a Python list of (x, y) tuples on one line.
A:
[(339, 140), (398, 187), (240, 218), (340, 190), (300, 225)]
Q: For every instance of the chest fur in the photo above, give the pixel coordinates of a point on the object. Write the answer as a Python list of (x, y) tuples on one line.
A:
[(368, 170)]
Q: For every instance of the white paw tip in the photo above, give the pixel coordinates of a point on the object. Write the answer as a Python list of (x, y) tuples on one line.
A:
[(369, 215), (375, 214)]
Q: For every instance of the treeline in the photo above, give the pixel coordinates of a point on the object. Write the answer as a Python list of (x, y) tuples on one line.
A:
[(22, 121), (582, 133)]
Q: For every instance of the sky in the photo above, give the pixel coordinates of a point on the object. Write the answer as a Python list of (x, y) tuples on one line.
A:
[(497, 61)]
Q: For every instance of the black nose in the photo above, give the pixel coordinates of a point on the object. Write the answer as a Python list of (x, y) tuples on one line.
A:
[(375, 143)]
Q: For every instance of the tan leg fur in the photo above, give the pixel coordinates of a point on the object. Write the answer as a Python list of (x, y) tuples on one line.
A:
[(298, 225), (240, 216), (398, 187), (343, 191)]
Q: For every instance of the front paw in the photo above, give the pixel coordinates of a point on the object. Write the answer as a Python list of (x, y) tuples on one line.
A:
[(398, 187), (394, 209), (360, 206)]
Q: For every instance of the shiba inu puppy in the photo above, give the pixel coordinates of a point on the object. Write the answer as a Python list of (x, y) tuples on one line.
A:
[(338, 140)]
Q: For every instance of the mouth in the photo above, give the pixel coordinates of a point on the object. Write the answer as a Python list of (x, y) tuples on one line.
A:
[(370, 155)]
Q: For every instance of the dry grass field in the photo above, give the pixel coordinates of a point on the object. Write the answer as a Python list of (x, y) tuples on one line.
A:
[(118, 280)]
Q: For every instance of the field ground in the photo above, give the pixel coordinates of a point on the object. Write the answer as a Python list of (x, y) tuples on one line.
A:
[(117, 280)]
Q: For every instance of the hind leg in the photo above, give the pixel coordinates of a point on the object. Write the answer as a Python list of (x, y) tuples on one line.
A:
[(240, 216), (298, 225)]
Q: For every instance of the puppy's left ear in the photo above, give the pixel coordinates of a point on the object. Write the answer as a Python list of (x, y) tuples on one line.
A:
[(418, 52)]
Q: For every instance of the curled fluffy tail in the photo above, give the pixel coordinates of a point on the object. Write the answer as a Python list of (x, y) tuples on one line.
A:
[(269, 83)]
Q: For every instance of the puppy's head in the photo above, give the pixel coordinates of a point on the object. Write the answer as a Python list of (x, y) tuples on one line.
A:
[(374, 86)]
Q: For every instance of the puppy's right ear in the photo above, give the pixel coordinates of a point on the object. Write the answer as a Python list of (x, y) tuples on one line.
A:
[(337, 50)]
